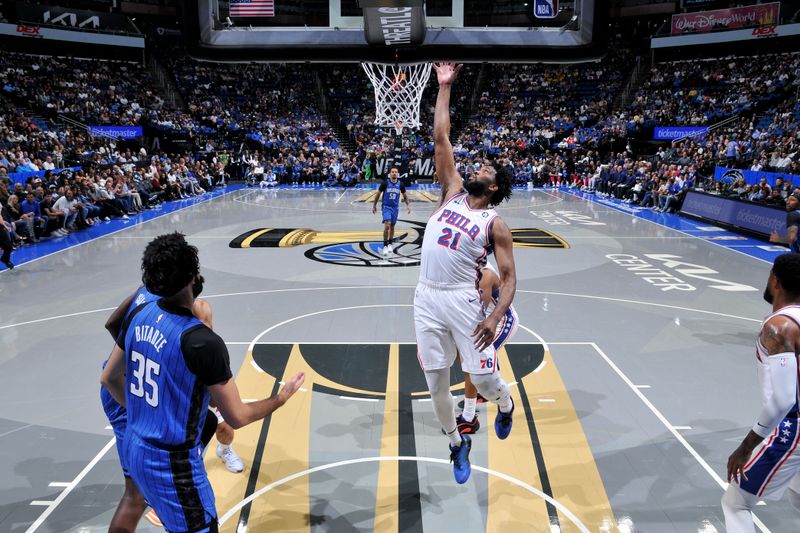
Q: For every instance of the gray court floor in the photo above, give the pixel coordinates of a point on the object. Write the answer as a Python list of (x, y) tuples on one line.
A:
[(658, 372)]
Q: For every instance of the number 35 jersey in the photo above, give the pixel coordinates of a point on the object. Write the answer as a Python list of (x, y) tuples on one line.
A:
[(456, 243), (171, 359)]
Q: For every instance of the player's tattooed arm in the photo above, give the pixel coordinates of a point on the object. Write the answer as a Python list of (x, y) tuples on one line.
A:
[(779, 335)]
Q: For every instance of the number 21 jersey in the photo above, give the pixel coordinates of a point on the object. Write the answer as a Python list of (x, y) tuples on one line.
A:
[(456, 243)]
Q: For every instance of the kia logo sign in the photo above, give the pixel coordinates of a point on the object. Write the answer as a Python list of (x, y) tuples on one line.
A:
[(765, 30), (32, 31)]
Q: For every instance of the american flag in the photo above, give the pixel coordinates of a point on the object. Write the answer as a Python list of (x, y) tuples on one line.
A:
[(252, 8)]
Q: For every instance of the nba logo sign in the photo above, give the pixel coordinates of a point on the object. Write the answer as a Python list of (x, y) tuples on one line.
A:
[(545, 9)]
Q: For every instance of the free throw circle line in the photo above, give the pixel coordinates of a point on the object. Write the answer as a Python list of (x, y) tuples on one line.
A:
[(530, 488)]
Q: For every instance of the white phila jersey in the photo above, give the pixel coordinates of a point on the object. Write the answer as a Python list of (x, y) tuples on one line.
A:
[(792, 312), (456, 243)]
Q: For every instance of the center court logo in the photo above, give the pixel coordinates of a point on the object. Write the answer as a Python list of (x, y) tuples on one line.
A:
[(363, 248)]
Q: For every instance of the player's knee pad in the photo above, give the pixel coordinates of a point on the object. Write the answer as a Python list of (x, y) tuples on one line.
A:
[(491, 386)]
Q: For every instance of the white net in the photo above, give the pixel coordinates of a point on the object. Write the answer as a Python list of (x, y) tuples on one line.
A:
[(398, 92)]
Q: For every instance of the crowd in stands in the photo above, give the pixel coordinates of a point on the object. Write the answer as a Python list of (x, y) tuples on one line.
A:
[(93, 92), (550, 125), (56, 204), (276, 106), (703, 92)]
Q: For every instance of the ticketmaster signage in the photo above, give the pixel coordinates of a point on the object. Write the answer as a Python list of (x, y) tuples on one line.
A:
[(125, 132), (754, 217), (670, 133)]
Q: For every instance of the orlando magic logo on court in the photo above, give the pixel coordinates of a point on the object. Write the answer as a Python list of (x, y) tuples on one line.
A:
[(365, 253), (363, 248)]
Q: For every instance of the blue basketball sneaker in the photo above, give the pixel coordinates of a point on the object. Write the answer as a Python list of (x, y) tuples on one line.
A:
[(459, 456), (503, 422)]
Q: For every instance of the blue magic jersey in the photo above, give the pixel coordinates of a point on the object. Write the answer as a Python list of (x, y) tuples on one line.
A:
[(391, 193), (114, 411), (166, 402), (171, 359), (143, 296)]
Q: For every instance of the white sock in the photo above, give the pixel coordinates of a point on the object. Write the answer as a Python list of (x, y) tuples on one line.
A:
[(469, 408), (224, 447), (504, 403), (455, 437)]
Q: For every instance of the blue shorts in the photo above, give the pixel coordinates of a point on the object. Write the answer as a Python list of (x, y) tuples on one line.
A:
[(176, 485), (390, 214), (118, 418)]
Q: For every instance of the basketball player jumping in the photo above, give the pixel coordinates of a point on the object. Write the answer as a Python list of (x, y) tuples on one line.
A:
[(164, 367), (390, 190), (448, 313), (764, 469)]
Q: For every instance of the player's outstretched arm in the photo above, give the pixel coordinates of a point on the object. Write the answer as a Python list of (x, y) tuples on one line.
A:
[(238, 414), (449, 178), (504, 253)]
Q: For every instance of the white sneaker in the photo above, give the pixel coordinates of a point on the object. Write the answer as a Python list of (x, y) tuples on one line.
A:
[(232, 461), (391, 249), (385, 251), (124, 217)]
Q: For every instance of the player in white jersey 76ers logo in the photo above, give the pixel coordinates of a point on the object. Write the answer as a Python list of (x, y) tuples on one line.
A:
[(448, 312), (767, 462)]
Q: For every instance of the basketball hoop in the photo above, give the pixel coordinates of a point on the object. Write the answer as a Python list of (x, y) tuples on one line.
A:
[(398, 92)]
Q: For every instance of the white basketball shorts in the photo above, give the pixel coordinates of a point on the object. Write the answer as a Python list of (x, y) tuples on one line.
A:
[(444, 319)]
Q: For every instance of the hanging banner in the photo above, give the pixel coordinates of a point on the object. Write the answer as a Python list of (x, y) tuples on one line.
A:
[(726, 19)]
